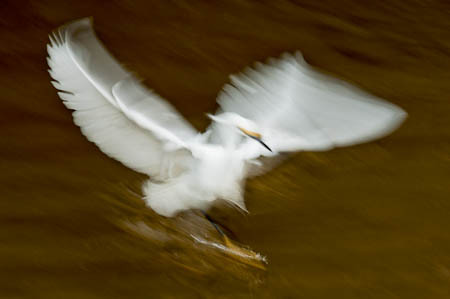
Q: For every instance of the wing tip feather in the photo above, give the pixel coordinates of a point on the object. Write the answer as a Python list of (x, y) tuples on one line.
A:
[(58, 36)]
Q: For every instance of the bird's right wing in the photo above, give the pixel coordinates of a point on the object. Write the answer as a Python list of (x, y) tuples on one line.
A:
[(113, 110)]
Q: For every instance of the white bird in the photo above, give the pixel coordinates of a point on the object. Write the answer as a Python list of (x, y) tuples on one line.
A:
[(282, 106)]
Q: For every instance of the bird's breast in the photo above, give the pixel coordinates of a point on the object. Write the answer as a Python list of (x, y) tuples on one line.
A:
[(220, 172)]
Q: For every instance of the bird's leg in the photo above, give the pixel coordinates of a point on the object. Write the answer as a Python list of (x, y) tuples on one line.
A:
[(216, 226), (227, 241), (244, 255)]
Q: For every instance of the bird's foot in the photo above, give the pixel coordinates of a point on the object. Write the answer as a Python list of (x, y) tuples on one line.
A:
[(245, 255), (237, 252), (231, 248)]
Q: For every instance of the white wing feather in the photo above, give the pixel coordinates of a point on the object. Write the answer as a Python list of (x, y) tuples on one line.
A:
[(152, 113), (97, 88), (296, 108)]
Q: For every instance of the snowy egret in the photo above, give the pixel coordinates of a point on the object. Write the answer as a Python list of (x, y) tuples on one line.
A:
[(282, 106)]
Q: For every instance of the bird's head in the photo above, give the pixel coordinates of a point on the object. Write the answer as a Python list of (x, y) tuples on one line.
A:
[(242, 125)]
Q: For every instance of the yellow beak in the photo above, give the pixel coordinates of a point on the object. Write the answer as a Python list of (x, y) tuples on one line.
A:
[(255, 136), (250, 133)]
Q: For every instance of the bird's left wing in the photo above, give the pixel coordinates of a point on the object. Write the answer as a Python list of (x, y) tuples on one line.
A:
[(297, 108), (113, 110)]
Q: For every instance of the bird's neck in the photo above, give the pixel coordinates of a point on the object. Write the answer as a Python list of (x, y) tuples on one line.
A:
[(226, 136)]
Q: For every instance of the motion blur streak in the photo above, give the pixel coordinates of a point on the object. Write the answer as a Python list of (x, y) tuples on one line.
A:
[(367, 221)]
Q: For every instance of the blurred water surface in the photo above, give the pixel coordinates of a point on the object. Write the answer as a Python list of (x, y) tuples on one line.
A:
[(369, 221)]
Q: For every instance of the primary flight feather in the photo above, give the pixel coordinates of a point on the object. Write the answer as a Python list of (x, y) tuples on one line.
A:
[(282, 106)]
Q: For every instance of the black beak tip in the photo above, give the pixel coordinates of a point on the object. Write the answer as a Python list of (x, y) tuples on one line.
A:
[(260, 141), (265, 145)]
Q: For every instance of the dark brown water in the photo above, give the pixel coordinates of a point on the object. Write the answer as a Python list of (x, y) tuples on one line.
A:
[(370, 221)]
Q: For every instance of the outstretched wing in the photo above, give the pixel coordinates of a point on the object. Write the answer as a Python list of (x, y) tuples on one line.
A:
[(113, 110), (298, 109)]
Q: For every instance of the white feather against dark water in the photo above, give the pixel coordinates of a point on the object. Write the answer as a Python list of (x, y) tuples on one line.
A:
[(282, 106)]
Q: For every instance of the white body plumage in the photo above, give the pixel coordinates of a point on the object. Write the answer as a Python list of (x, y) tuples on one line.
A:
[(284, 106)]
